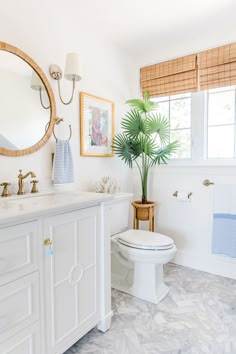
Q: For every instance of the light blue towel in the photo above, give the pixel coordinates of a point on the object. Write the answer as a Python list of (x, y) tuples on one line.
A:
[(224, 234), (63, 163)]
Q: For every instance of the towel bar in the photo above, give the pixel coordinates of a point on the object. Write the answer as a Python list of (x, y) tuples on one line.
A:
[(69, 136)]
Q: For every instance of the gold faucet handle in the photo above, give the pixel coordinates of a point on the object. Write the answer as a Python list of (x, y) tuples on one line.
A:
[(5, 192), (34, 187)]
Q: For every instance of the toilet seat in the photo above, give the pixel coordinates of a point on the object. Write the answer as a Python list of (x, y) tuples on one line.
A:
[(145, 240)]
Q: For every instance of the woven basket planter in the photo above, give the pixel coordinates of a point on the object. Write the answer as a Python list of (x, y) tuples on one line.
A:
[(144, 212)]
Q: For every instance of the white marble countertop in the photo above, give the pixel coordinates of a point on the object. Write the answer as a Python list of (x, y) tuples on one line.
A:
[(31, 207)]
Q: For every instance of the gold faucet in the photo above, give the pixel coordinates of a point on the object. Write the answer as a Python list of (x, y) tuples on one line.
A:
[(5, 192), (21, 182)]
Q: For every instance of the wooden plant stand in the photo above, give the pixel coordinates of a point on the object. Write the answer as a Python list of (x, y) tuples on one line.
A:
[(143, 212)]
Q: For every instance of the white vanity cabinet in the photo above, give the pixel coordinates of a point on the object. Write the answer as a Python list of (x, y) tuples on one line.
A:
[(71, 277), (55, 281), (27, 341), (19, 290)]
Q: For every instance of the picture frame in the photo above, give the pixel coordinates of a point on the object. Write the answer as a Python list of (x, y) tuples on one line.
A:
[(96, 125)]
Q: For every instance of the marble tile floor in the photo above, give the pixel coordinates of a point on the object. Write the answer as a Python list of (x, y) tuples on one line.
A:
[(197, 317)]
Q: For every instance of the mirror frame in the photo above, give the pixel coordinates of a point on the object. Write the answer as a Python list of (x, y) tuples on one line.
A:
[(11, 49)]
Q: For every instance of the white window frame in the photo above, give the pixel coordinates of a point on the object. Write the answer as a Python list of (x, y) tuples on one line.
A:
[(199, 132), (169, 100), (207, 125)]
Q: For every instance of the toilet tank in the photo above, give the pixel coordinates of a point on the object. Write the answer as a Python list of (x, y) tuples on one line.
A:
[(120, 212)]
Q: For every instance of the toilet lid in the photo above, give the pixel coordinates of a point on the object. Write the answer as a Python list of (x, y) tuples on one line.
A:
[(145, 240)]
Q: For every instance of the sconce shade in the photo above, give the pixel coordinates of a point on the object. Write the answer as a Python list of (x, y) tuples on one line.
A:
[(72, 68), (36, 82)]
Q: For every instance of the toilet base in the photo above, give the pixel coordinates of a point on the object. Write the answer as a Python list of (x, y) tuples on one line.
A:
[(163, 291), (143, 280)]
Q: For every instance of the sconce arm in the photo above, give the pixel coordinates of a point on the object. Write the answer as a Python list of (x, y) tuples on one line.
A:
[(41, 99), (72, 95)]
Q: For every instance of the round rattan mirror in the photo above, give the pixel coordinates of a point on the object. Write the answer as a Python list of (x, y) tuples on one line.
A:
[(27, 105)]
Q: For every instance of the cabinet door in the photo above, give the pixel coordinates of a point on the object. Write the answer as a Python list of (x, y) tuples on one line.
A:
[(25, 342), (71, 277), (18, 251)]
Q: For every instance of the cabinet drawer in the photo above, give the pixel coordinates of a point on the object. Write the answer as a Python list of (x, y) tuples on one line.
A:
[(18, 251), (25, 342), (19, 305)]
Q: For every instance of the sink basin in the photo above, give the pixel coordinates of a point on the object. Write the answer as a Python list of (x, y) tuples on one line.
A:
[(32, 200), (27, 201), (16, 197), (42, 201)]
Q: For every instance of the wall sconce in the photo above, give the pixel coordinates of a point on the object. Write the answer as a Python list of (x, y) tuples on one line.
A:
[(37, 84), (72, 73)]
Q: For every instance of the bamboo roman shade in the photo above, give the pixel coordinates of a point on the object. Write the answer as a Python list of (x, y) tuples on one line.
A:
[(171, 77), (217, 67)]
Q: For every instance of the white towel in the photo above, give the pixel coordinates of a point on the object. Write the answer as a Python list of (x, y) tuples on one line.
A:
[(224, 221), (63, 171)]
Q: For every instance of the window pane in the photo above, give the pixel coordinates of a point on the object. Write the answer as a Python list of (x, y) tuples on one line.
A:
[(221, 108), (180, 113), (182, 95), (163, 108), (221, 142), (160, 99), (220, 89), (184, 139)]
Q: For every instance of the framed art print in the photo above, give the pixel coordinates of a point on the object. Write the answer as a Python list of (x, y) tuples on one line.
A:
[(96, 125)]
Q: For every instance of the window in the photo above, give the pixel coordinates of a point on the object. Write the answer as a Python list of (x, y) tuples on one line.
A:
[(204, 123), (178, 110), (221, 123)]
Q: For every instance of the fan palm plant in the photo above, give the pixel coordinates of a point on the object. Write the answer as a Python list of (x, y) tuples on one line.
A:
[(144, 140)]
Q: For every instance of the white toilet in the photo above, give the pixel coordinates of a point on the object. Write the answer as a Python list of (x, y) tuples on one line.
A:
[(137, 256)]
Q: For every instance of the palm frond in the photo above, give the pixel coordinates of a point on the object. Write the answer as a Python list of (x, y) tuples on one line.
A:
[(145, 105), (157, 123), (122, 146), (144, 145), (148, 104), (149, 145), (133, 124), (137, 104), (163, 153)]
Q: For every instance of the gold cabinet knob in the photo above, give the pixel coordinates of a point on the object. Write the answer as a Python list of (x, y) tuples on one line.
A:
[(48, 247), (47, 242)]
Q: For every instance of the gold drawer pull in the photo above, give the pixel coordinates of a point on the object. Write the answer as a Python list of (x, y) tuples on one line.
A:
[(47, 242), (48, 246)]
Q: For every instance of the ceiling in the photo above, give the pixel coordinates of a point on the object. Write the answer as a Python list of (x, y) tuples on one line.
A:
[(137, 25), (147, 30)]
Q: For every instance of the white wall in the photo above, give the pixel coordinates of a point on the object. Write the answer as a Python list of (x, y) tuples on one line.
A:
[(47, 33), (189, 224)]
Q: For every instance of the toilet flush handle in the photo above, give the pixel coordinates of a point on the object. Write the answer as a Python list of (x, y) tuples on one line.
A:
[(207, 183)]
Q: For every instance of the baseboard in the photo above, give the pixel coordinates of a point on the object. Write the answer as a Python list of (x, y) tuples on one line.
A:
[(215, 264)]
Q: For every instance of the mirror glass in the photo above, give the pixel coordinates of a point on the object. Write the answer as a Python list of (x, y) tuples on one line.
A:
[(22, 116)]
